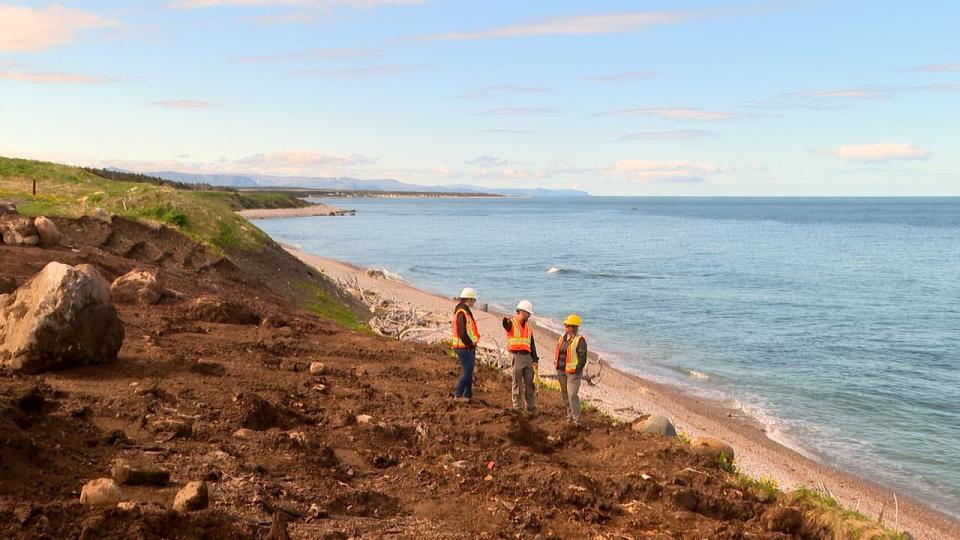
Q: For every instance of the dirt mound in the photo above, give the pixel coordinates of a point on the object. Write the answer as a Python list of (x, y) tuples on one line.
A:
[(254, 412), (221, 311)]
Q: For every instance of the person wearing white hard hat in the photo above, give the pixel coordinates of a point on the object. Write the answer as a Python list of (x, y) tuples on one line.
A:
[(465, 338), (523, 357)]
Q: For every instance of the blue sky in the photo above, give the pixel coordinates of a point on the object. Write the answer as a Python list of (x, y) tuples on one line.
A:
[(644, 98)]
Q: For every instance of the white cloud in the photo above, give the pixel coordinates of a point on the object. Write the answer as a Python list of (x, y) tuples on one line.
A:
[(937, 67), (487, 161), (310, 54), (300, 162), (662, 172), (365, 72), (551, 170), (184, 104), (25, 29), (677, 113), (361, 4), (840, 98), (675, 135), (878, 153), (51, 77), (516, 111), (619, 77), (606, 23)]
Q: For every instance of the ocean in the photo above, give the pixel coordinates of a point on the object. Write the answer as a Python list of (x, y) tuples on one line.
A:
[(835, 322)]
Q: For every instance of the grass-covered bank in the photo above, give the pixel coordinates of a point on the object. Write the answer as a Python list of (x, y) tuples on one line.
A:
[(203, 213), (206, 215)]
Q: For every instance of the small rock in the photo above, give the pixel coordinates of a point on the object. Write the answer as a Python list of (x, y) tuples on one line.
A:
[(317, 368), (374, 273), (657, 425), (363, 419), (18, 230), (101, 492), (321, 388), (129, 474), (47, 229), (175, 428), (126, 506), (488, 478), (136, 287), (193, 496), (244, 433), (712, 448)]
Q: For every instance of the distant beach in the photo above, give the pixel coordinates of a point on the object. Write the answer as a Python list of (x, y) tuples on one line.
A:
[(627, 396), (306, 211)]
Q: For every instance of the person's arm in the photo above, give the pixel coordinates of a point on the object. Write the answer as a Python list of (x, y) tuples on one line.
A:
[(462, 330), (533, 350), (507, 324), (581, 355)]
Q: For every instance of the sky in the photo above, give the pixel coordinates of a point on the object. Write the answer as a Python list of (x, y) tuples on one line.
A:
[(686, 98)]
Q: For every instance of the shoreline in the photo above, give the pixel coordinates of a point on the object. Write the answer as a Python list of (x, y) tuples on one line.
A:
[(305, 211), (626, 395)]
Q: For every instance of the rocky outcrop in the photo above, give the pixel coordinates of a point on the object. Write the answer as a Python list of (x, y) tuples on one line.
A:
[(137, 287), (18, 230), (657, 425), (132, 474), (62, 316), (48, 231)]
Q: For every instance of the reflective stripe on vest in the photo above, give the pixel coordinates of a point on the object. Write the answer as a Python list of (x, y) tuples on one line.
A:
[(519, 336), (472, 331), (572, 359)]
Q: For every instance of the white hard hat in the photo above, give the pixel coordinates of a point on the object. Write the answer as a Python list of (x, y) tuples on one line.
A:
[(525, 305), (468, 292)]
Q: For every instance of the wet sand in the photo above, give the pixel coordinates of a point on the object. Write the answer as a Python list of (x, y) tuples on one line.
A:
[(627, 396), (306, 211)]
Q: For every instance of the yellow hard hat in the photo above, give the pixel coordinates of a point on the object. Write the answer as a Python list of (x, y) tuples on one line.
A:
[(572, 320)]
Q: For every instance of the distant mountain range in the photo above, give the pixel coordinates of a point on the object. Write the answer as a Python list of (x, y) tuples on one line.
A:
[(352, 184)]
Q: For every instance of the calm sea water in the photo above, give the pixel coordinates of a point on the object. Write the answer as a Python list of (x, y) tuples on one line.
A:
[(834, 321)]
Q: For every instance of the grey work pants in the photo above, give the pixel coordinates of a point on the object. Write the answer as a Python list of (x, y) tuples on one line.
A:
[(570, 392), (523, 388)]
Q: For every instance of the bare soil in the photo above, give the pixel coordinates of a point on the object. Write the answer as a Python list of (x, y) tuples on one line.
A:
[(282, 450)]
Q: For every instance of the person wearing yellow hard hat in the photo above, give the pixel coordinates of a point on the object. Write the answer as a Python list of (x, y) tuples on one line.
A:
[(465, 338), (569, 361), (523, 357)]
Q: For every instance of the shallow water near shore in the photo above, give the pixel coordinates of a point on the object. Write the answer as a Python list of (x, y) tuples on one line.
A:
[(835, 322)]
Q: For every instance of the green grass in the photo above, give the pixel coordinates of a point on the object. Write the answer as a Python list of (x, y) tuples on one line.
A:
[(726, 463), (767, 488), (324, 305), (206, 216), (839, 522)]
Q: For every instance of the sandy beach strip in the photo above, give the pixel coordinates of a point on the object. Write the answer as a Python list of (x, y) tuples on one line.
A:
[(627, 396), (306, 211)]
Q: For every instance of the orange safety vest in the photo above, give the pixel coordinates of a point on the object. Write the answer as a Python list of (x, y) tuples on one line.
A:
[(519, 336), (572, 359), (471, 325)]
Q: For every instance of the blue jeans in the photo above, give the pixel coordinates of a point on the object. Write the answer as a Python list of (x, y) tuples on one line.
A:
[(468, 359)]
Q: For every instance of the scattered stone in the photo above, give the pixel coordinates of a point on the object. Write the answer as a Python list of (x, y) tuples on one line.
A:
[(173, 428), (657, 425), (712, 448), (317, 368), (784, 520), (101, 492), (126, 506), (374, 273), (363, 419), (244, 433), (192, 497), (61, 317), (47, 230), (7, 284), (136, 287), (488, 478), (18, 230), (220, 311), (320, 388), (129, 474)]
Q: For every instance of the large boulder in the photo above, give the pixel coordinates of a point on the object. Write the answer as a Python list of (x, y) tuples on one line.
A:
[(657, 425), (47, 230), (136, 287), (18, 230), (62, 316)]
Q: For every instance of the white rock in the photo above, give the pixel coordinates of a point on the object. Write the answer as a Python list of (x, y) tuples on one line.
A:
[(47, 230), (62, 316), (136, 287), (317, 368), (101, 492), (364, 419)]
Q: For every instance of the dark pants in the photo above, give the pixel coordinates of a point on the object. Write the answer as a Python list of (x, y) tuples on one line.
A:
[(468, 359)]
